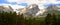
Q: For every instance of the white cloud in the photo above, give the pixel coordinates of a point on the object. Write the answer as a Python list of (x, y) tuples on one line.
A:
[(13, 6), (12, 0), (39, 2), (33, 1), (17, 6)]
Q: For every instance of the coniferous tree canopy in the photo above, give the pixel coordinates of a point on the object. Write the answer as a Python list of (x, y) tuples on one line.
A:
[(13, 19)]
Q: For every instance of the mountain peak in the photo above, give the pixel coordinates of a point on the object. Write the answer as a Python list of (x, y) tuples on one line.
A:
[(31, 6), (6, 8)]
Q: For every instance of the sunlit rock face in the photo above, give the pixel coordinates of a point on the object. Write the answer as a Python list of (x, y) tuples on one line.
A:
[(30, 10), (6, 8), (20, 11), (53, 9), (1, 8), (50, 8), (41, 12)]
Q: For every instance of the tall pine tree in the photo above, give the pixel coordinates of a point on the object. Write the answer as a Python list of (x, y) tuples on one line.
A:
[(47, 19)]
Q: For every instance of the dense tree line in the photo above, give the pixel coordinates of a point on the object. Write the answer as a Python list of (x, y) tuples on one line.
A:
[(13, 19)]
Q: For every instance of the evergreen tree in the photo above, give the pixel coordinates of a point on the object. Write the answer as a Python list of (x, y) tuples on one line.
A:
[(54, 20), (47, 19), (21, 20), (51, 19), (58, 19)]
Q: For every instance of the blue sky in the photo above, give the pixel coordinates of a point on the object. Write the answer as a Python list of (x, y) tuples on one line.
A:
[(58, 0), (24, 4), (46, 5), (12, 3)]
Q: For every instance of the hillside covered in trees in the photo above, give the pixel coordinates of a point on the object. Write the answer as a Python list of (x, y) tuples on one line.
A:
[(14, 19)]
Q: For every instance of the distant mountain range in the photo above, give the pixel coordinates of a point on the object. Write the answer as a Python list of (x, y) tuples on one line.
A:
[(53, 9), (6, 8), (31, 10)]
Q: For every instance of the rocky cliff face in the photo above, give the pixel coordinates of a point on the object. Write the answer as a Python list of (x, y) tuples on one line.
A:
[(53, 9), (6, 8), (1, 8), (31, 10)]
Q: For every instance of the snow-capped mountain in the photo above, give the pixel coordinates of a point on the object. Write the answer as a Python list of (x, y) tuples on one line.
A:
[(30, 10), (52, 7), (6, 8), (33, 10)]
